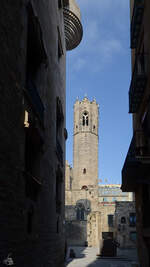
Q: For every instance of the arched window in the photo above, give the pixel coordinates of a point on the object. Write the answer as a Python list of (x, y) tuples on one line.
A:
[(123, 220), (80, 212), (84, 171), (132, 219), (85, 119)]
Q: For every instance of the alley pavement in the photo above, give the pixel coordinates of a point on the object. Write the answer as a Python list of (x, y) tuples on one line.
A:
[(86, 257)]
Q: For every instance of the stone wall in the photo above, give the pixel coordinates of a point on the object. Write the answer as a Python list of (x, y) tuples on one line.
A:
[(125, 231), (76, 233), (31, 226)]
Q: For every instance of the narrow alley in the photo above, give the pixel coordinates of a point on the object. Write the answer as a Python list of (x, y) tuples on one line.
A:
[(87, 257)]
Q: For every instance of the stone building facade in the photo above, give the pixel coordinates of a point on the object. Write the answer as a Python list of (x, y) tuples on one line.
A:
[(89, 207), (125, 224), (136, 169), (109, 197), (34, 38)]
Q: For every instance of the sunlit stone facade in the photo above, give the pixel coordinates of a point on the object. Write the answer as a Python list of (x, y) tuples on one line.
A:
[(90, 207)]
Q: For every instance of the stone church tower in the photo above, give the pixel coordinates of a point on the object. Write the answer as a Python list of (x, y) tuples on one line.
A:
[(85, 150), (81, 209)]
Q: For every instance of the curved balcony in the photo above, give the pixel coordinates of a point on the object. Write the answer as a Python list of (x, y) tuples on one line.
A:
[(73, 26)]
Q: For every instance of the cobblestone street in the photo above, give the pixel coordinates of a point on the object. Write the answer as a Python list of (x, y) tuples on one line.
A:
[(86, 257)]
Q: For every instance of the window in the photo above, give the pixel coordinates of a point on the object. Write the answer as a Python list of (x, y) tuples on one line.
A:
[(146, 205), (132, 219), (59, 130), (33, 150), (105, 199), (60, 48), (66, 3), (114, 199), (60, 3), (70, 183), (57, 225), (84, 171), (59, 179), (133, 236), (85, 119), (110, 220), (36, 62), (123, 220), (80, 212), (36, 54), (84, 187)]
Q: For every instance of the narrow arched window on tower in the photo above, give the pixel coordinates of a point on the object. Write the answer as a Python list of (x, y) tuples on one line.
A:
[(85, 119), (84, 171), (123, 220)]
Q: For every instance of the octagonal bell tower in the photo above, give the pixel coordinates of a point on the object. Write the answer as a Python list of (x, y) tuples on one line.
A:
[(85, 150)]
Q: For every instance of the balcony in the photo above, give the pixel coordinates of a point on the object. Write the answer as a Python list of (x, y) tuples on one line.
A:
[(137, 17), (35, 101), (137, 164), (72, 24), (138, 83)]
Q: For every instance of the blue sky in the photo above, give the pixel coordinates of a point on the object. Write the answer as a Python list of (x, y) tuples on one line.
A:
[(100, 68)]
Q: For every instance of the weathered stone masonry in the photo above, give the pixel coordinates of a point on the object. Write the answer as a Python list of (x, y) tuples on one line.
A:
[(32, 119)]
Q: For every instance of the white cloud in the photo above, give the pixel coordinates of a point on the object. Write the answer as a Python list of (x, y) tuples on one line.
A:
[(110, 47), (96, 57), (102, 35), (80, 64)]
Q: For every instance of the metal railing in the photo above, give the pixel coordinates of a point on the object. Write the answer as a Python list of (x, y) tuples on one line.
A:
[(139, 148), (138, 83)]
